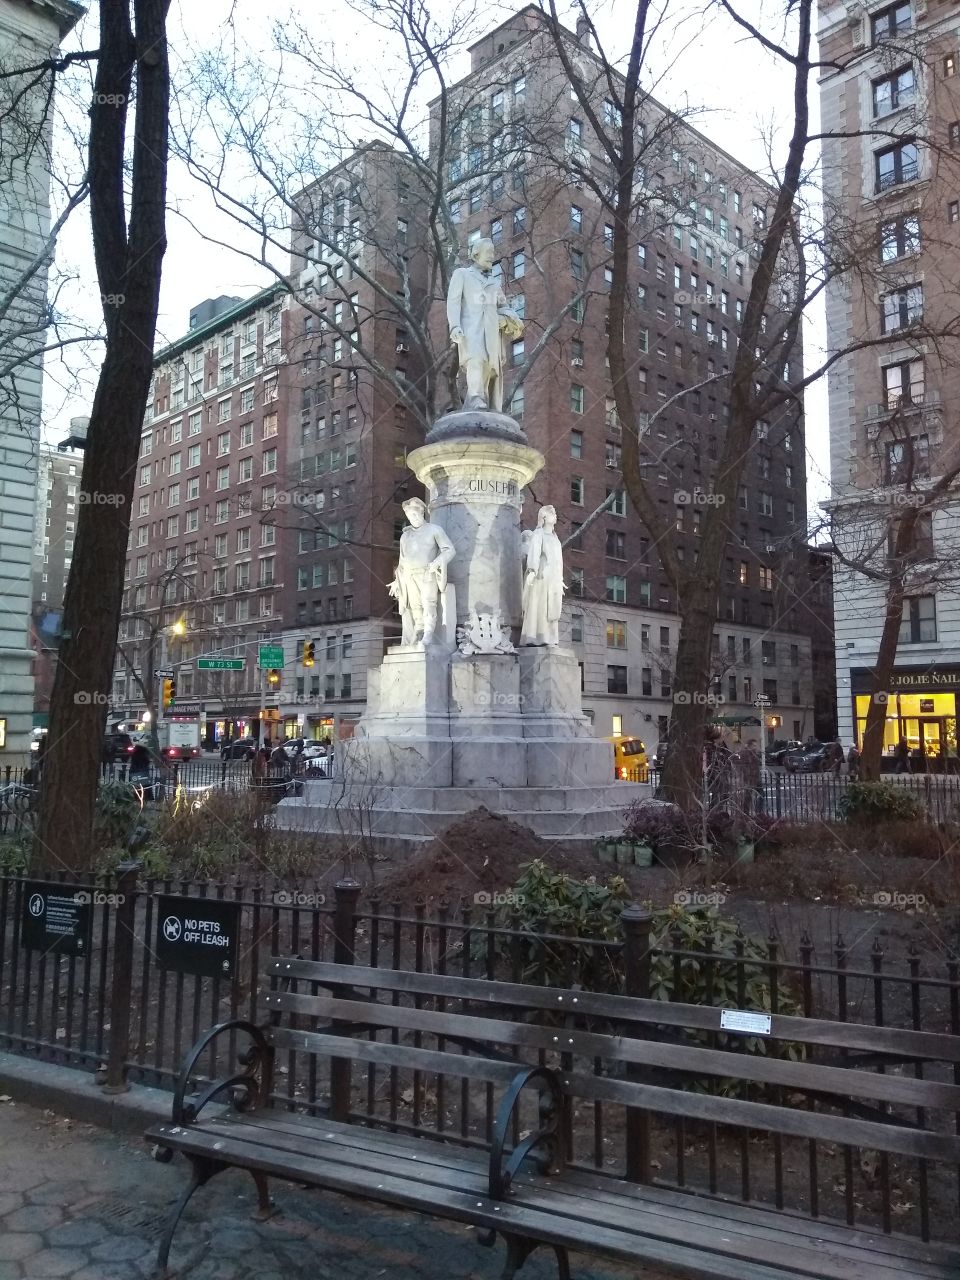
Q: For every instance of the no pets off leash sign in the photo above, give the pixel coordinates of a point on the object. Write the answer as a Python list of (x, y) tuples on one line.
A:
[(198, 935)]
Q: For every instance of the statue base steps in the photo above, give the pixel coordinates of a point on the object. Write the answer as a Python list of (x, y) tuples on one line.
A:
[(408, 817), (445, 733)]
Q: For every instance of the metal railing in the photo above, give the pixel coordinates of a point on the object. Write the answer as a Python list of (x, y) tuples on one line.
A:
[(116, 1009)]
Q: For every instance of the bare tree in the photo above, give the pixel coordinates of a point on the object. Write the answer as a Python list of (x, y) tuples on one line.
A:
[(799, 248), (127, 209)]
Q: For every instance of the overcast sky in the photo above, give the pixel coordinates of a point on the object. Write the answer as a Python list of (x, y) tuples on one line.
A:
[(739, 96)]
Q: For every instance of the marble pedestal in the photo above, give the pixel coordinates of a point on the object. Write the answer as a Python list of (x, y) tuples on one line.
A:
[(445, 733)]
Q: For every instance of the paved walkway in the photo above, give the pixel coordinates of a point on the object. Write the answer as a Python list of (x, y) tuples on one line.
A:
[(82, 1203)]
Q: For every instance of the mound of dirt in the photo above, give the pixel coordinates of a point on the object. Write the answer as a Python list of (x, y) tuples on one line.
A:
[(480, 852)]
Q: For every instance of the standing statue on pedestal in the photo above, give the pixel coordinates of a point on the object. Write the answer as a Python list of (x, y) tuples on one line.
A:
[(542, 581), (477, 312), (421, 575)]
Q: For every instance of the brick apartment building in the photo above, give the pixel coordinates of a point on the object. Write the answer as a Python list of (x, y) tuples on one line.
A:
[(690, 278), (344, 370), (894, 88)]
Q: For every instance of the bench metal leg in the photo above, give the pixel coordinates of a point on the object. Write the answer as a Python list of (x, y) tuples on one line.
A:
[(265, 1207), (203, 1171), (519, 1249)]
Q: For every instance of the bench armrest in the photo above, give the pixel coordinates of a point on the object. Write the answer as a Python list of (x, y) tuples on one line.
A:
[(248, 1089), (543, 1143)]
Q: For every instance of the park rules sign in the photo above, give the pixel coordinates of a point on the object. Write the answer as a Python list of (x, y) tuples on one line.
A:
[(56, 918), (198, 935)]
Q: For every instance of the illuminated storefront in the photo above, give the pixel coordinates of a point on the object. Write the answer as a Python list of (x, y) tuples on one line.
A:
[(921, 708)]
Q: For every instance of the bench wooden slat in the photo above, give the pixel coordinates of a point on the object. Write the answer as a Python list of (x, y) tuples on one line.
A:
[(675, 1102), (396, 1055), (930, 1045), (811, 1077), (431, 1155), (714, 1252)]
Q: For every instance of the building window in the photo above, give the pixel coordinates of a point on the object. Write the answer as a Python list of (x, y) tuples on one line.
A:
[(901, 309), (616, 544), (576, 264), (576, 398), (518, 265), (616, 634), (897, 164), (903, 383), (516, 352), (953, 210), (891, 21), (616, 588), (616, 679), (269, 463), (576, 444), (618, 502), (949, 66), (576, 628), (899, 237), (919, 625), (576, 490), (907, 460), (896, 90)]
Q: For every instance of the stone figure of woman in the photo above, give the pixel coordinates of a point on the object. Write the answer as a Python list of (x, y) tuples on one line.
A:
[(542, 581)]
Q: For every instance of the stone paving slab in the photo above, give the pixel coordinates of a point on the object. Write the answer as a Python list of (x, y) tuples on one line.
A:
[(81, 1203)]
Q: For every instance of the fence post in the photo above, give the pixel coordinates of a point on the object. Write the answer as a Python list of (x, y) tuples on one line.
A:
[(346, 892), (121, 982), (636, 924)]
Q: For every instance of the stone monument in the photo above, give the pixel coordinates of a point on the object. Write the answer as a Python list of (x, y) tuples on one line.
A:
[(458, 715)]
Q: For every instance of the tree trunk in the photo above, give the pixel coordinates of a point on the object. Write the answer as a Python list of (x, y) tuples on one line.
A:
[(873, 733), (128, 273), (693, 707)]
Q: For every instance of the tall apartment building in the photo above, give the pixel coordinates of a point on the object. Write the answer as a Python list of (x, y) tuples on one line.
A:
[(516, 171), (208, 541), (893, 87), (30, 31)]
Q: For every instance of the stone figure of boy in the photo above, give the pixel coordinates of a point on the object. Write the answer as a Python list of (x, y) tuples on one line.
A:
[(421, 575), (477, 312)]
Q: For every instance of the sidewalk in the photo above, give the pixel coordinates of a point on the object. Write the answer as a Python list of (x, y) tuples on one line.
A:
[(77, 1202)]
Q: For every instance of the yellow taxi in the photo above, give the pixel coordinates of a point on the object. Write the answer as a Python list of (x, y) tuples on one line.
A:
[(629, 759)]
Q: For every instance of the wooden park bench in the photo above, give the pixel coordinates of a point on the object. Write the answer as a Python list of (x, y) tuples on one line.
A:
[(557, 1048)]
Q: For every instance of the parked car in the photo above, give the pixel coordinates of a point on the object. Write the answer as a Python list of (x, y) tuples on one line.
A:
[(809, 759), (117, 747), (779, 750), (239, 749), (629, 759)]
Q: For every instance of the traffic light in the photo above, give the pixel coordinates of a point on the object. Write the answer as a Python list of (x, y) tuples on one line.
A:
[(169, 692), (273, 677), (309, 653)]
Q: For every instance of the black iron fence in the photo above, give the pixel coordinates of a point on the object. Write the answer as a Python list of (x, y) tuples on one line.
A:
[(117, 1004), (816, 797), (56, 1002)]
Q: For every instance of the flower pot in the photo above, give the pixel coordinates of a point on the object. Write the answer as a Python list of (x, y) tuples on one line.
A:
[(745, 851), (625, 853), (607, 850), (642, 854)]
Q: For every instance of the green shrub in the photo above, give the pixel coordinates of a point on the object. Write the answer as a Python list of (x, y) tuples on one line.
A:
[(878, 802), (546, 902)]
